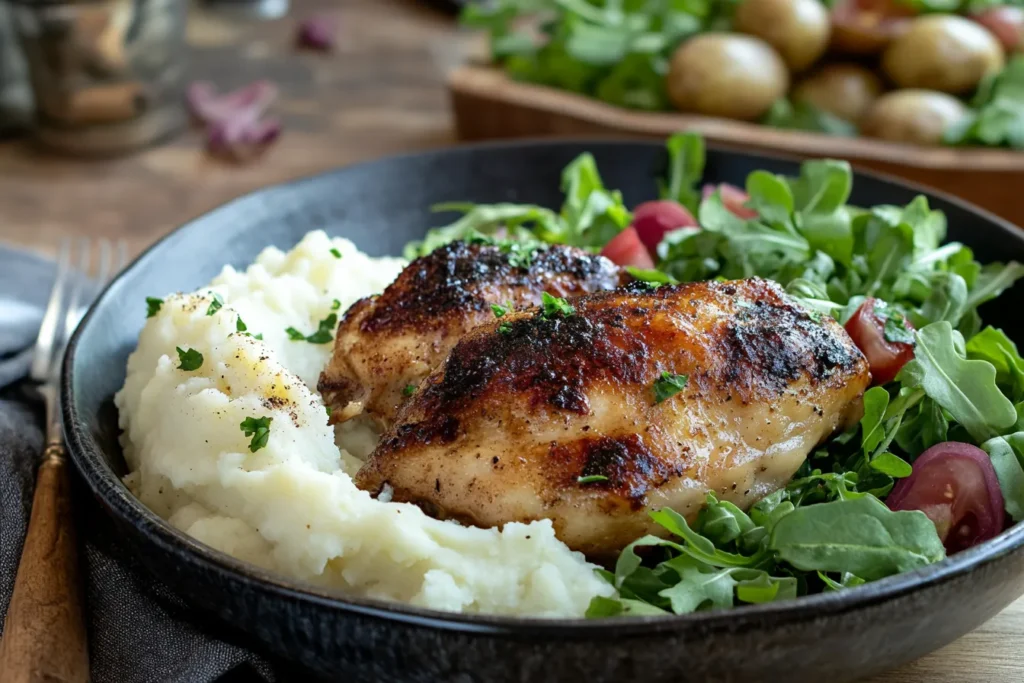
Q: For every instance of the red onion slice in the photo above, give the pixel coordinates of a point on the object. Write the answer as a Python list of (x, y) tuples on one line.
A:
[(956, 486), (317, 32)]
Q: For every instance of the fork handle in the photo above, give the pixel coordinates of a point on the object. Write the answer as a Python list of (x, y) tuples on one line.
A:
[(44, 635)]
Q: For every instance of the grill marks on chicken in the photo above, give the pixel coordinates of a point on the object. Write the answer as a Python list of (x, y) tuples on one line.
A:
[(513, 420), (386, 344)]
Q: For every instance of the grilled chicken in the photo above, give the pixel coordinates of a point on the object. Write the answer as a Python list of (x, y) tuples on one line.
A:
[(556, 416), (386, 344)]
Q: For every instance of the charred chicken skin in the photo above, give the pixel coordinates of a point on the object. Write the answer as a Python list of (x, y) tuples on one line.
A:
[(555, 415), (386, 344)]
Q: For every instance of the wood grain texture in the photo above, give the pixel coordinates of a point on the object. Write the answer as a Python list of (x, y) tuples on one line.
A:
[(487, 105), (381, 92), (44, 632)]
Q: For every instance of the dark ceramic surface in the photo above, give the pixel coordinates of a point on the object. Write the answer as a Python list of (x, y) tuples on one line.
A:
[(835, 637)]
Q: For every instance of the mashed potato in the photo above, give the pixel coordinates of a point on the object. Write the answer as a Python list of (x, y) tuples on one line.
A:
[(291, 506)]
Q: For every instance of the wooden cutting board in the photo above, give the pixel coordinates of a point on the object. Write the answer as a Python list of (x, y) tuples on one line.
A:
[(488, 105)]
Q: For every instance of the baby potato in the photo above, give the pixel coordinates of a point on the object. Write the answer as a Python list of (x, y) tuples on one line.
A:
[(843, 90), (918, 117), (798, 29), (726, 74), (943, 52)]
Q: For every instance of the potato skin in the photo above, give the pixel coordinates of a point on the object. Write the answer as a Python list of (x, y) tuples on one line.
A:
[(866, 27), (918, 117), (943, 52), (726, 74), (843, 90), (798, 29)]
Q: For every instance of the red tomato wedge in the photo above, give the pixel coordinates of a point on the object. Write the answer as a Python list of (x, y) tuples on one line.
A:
[(956, 486), (886, 358), (733, 198), (654, 220), (626, 249), (1006, 23)]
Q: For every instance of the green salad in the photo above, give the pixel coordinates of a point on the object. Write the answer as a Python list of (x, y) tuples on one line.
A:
[(935, 465)]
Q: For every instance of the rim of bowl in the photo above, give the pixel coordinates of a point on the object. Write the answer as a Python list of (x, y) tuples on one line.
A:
[(114, 496)]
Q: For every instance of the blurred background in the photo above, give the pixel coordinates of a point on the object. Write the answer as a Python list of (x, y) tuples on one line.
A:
[(125, 118)]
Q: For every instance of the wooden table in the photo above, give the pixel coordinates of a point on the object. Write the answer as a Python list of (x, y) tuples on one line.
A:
[(379, 93)]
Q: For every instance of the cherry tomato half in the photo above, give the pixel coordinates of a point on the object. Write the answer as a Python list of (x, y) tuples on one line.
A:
[(654, 220), (626, 249), (1006, 23), (956, 486), (733, 198), (886, 358), (866, 27)]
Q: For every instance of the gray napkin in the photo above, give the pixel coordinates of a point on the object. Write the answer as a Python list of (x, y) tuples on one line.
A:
[(138, 630)]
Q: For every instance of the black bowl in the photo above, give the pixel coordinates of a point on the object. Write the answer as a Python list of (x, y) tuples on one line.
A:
[(380, 206)]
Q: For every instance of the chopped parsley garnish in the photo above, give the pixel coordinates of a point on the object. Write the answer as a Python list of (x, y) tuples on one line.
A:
[(409, 390), (259, 429), (324, 332), (555, 306), (335, 253), (329, 411), (499, 310), (335, 305), (504, 328), (591, 479), (190, 360), (651, 277), (668, 385), (153, 306), (241, 328), (216, 304), (815, 316)]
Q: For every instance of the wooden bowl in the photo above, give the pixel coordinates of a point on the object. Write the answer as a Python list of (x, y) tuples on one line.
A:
[(487, 104)]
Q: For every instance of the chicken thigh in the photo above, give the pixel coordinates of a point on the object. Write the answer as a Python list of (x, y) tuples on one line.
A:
[(386, 344), (636, 400)]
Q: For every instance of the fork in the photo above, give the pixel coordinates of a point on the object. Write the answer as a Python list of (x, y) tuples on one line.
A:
[(44, 635)]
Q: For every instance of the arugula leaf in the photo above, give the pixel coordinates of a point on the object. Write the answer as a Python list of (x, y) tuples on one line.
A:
[(965, 388), (1007, 455), (805, 116), (892, 465), (770, 196), (993, 280), (993, 346), (668, 385), (685, 169), (519, 220), (651, 276), (998, 115), (876, 400), (859, 535), (926, 426)]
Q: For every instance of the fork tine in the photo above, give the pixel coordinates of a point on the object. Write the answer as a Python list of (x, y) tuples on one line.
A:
[(78, 283), (43, 354), (122, 257)]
